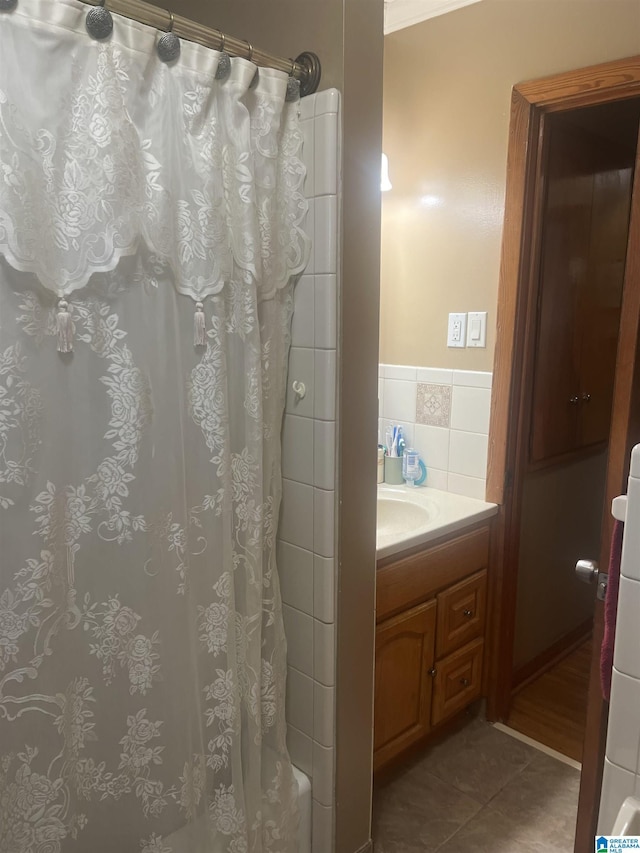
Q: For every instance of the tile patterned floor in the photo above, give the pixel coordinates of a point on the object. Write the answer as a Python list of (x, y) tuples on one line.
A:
[(479, 791)]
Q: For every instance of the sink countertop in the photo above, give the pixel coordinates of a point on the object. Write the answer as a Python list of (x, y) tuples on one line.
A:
[(410, 516)]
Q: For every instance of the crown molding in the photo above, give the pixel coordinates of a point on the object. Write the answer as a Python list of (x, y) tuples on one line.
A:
[(404, 13)]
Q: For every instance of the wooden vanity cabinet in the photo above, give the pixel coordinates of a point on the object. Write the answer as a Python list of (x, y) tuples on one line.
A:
[(404, 658), (429, 651)]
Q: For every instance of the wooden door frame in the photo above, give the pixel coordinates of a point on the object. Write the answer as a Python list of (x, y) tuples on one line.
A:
[(518, 288)]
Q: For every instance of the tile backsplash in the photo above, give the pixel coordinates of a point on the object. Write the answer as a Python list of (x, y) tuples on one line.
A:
[(445, 415)]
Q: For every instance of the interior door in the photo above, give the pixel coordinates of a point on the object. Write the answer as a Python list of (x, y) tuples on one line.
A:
[(625, 432)]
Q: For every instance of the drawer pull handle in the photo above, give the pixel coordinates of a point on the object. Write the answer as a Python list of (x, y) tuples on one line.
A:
[(433, 672), (464, 682), (467, 613)]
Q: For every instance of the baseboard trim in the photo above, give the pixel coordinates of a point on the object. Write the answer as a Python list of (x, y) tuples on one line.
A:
[(556, 652)]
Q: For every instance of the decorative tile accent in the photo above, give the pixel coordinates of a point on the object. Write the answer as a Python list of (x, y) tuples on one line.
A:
[(433, 405), (445, 417)]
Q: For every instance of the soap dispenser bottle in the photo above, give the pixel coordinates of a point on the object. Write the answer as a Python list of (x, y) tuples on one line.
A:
[(414, 471), (410, 466)]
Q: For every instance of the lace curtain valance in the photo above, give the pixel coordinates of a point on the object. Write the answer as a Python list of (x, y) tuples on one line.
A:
[(103, 146)]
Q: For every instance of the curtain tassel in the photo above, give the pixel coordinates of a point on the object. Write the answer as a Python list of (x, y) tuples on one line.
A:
[(65, 327), (199, 326)]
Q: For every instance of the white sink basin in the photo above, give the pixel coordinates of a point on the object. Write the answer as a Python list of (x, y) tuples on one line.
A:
[(400, 516), (410, 516)]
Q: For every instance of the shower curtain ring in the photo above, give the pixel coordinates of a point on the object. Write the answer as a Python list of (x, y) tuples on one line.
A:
[(169, 43), (99, 22), (224, 60), (256, 76), (293, 84)]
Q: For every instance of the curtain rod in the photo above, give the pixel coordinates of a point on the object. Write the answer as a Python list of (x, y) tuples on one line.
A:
[(305, 68)]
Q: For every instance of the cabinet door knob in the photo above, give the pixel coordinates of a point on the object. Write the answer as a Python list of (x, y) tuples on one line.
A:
[(467, 613), (433, 672), (574, 400), (586, 398), (464, 682)]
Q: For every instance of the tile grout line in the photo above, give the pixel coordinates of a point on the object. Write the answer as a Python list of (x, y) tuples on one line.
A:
[(484, 807), (464, 823)]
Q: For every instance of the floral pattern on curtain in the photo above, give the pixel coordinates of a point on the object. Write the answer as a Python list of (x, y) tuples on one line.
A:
[(142, 650)]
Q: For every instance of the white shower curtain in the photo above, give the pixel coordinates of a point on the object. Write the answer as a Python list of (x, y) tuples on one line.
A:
[(142, 652)]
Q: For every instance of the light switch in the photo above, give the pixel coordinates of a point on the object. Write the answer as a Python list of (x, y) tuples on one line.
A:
[(457, 330), (477, 329)]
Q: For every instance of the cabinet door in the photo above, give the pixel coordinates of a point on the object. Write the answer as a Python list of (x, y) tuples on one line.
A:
[(601, 301), (563, 269), (404, 656), (458, 681), (584, 241)]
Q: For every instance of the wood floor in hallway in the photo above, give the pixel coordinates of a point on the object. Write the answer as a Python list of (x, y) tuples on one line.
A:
[(552, 709)]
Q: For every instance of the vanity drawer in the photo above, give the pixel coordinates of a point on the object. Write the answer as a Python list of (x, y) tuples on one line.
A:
[(413, 579), (457, 681), (461, 613)]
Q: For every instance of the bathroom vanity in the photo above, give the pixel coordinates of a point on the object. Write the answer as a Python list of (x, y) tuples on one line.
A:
[(431, 616)]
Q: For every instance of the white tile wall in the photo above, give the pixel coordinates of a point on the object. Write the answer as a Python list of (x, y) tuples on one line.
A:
[(617, 785), (326, 312), (468, 454), (296, 569), (399, 400), (300, 701), (306, 539), (631, 545), (456, 454), (470, 409), (303, 328), (322, 779), (323, 588), (324, 716), (322, 823), (300, 746), (623, 720), (626, 658), (621, 776), (298, 628)]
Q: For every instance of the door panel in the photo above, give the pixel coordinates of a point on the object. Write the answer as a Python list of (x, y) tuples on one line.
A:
[(601, 301), (584, 241), (625, 432)]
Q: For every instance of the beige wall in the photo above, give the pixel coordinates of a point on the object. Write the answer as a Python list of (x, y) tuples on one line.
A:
[(283, 27), (447, 85)]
